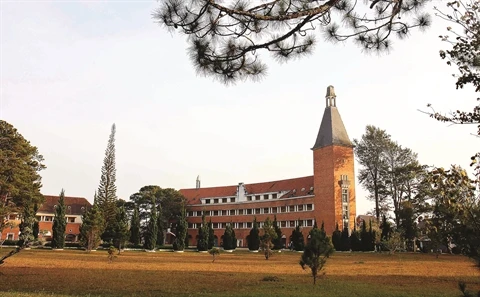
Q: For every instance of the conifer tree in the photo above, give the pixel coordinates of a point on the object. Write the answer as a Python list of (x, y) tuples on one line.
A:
[(355, 241), (254, 238), (229, 240), (182, 227), (135, 236), (26, 226), (107, 190), (151, 232), (211, 235), (121, 230), (92, 227), (59, 223), (277, 242), (337, 239), (202, 243), (316, 252), (345, 240), (297, 239), (36, 226), (386, 229), (268, 236), (160, 226)]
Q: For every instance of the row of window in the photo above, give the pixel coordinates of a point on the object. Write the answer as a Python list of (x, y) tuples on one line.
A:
[(252, 211), (50, 219), (249, 225)]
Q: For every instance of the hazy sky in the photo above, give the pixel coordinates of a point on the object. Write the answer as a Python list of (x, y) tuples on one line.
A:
[(69, 69)]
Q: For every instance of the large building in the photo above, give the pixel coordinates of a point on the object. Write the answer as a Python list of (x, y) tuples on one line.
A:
[(75, 206), (326, 196)]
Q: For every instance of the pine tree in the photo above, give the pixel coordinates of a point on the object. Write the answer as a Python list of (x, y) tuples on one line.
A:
[(107, 190), (268, 236), (202, 242), (59, 223), (386, 229), (160, 226), (229, 240), (355, 241), (253, 238), (135, 236), (337, 239), (36, 226), (92, 227), (211, 235), (182, 225), (277, 242), (298, 241), (316, 252), (121, 230), (345, 240), (151, 232), (26, 226)]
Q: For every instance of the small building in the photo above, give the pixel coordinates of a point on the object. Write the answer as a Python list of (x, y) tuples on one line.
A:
[(74, 209)]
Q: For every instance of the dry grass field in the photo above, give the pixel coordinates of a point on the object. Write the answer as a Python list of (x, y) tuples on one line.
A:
[(77, 273)]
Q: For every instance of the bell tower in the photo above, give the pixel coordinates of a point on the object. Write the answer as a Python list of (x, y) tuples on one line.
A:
[(333, 170)]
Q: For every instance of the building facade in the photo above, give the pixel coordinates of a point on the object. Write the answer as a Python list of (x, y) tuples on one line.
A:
[(326, 196), (74, 208)]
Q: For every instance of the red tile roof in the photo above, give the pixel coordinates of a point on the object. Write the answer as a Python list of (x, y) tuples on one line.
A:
[(75, 203), (193, 196)]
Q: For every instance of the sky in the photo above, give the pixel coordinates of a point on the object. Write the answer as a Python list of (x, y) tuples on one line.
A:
[(70, 69)]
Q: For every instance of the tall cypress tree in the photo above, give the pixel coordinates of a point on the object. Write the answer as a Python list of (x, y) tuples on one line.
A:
[(107, 190), (229, 240), (151, 232), (36, 226), (160, 226), (337, 239), (59, 223), (277, 242), (121, 230), (182, 225), (355, 242), (202, 242), (135, 236), (254, 237), (211, 235), (345, 240), (92, 227), (297, 239)]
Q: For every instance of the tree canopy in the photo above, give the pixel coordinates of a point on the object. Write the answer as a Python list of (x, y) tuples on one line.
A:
[(225, 38)]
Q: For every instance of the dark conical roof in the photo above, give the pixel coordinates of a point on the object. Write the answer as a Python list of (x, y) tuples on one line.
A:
[(332, 131)]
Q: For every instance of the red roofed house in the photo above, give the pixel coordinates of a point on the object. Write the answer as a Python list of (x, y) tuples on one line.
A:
[(75, 207), (328, 195)]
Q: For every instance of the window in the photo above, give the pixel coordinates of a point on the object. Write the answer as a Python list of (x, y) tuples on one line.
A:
[(224, 212), (10, 236), (71, 220), (215, 212), (257, 197), (283, 209), (257, 210), (207, 201), (300, 207), (224, 200), (309, 206), (283, 224), (266, 196), (345, 195), (274, 210), (274, 196), (345, 208), (190, 225), (199, 213), (266, 210), (240, 225), (292, 223), (215, 200), (249, 211), (232, 212), (232, 200), (249, 225), (300, 223), (291, 208), (190, 213), (215, 225), (240, 211), (345, 224), (249, 198), (309, 223)]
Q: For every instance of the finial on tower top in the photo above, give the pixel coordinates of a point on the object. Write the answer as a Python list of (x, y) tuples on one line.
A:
[(331, 97)]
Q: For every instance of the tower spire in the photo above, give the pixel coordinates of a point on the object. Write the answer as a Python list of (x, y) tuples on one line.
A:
[(332, 131)]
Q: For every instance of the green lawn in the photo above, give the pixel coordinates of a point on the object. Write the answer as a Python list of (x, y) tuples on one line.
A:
[(77, 273)]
